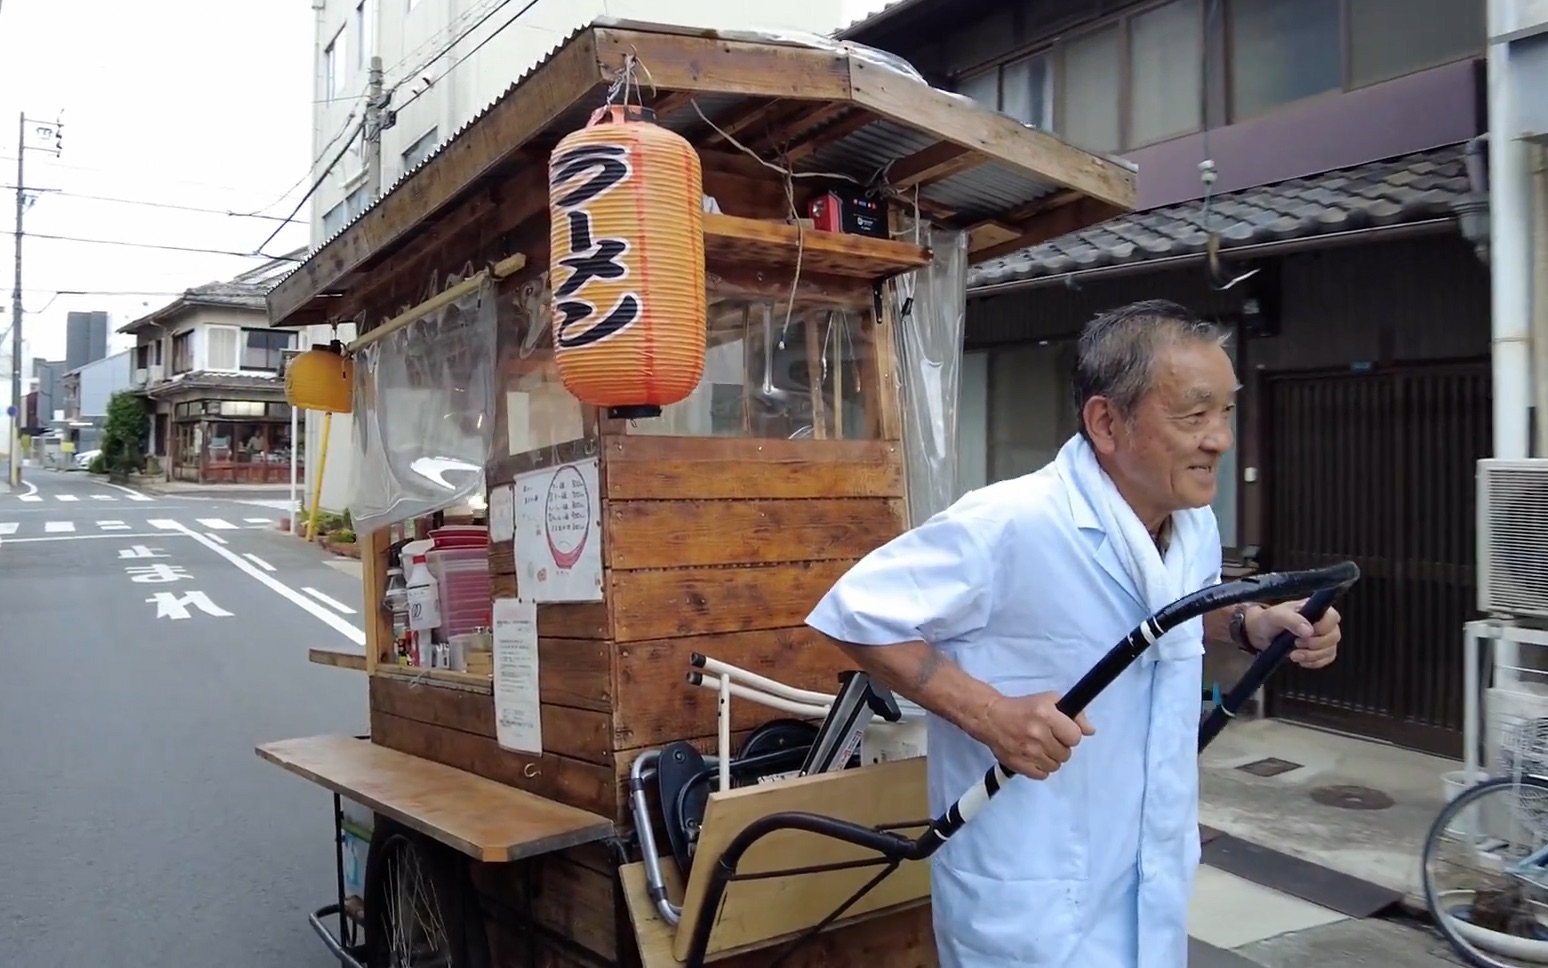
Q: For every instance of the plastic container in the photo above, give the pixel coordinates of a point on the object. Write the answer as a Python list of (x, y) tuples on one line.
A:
[(462, 578)]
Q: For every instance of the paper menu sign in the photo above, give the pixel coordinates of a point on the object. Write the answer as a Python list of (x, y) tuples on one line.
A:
[(518, 711), (558, 533), (502, 513)]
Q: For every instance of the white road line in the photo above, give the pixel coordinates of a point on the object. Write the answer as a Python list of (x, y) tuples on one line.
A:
[(118, 536), (58, 527), (32, 497), (344, 628), (104, 497), (8, 527), (216, 524), (331, 602), (258, 520), (256, 560), (66, 497), (215, 537), (166, 525), (112, 526), (133, 494)]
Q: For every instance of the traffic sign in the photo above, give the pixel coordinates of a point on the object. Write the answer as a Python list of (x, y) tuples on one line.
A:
[(10, 411)]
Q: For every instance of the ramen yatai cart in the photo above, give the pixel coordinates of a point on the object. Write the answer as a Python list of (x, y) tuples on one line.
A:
[(651, 491)]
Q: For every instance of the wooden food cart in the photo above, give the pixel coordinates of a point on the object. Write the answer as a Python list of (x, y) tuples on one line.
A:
[(715, 526)]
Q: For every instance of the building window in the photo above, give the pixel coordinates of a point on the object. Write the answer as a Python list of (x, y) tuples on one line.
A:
[(420, 150), (1166, 76), (358, 201), (335, 65), (1282, 51), (1022, 89), (1026, 92), (221, 351), (334, 219), (261, 348), (182, 352), (1091, 114), (364, 15), (1389, 38)]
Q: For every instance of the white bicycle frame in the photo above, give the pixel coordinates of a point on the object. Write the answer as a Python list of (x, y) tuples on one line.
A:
[(729, 680)]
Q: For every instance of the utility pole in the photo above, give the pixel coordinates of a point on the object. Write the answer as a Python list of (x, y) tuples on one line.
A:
[(373, 129), (16, 308), (15, 410)]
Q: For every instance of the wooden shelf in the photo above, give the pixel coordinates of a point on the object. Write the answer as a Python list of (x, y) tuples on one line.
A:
[(764, 244), (486, 820)]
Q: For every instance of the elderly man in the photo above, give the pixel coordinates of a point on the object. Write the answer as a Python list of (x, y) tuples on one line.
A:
[(985, 613)]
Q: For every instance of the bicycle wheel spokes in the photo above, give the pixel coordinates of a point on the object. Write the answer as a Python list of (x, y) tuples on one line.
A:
[(1484, 873)]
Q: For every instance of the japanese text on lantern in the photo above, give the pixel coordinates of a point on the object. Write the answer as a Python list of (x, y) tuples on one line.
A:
[(593, 170)]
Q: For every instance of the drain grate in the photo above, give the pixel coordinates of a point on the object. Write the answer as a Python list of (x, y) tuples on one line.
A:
[(1349, 797), (1270, 766)]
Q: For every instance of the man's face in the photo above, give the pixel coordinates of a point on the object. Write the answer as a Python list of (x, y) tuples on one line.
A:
[(1168, 454)]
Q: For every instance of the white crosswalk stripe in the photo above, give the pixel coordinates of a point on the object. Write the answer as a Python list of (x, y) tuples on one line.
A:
[(68, 497), (104, 497), (32, 497), (212, 526)]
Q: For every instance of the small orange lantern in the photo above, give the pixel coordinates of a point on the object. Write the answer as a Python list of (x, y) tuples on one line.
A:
[(322, 379), (626, 206)]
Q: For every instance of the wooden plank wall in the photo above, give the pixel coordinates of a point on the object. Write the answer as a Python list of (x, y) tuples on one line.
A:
[(732, 571)]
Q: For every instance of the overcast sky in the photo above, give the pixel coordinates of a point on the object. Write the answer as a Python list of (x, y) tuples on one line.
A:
[(198, 103)]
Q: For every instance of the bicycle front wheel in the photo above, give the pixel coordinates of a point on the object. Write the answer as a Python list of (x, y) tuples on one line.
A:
[(1485, 865)]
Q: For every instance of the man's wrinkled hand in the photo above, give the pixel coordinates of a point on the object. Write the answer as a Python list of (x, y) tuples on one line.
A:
[(1316, 645), (1030, 736)]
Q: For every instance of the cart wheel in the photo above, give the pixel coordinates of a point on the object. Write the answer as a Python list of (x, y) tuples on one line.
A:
[(1484, 883), (420, 907)]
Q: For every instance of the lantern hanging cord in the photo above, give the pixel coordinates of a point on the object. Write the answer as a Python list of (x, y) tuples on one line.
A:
[(625, 80)]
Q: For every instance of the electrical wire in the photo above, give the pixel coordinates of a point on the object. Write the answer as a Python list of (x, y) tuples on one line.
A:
[(154, 245), (453, 65), (147, 203), (316, 184), (318, 181)]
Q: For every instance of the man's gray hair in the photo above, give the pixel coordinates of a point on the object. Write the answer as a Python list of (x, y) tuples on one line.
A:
[(1115, 356)]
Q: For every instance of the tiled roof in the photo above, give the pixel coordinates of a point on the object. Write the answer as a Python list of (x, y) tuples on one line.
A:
[(215, 380), (1407, 189)]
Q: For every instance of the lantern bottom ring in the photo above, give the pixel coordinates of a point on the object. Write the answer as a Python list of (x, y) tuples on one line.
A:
[(634, 412)]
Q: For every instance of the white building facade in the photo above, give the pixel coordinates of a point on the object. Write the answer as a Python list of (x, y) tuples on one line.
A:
[(444, 61)]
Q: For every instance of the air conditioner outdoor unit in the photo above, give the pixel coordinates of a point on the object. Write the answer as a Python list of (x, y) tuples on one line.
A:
[(1513, 537)]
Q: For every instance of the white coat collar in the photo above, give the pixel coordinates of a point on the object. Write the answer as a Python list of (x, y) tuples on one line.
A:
[(1085, 516)]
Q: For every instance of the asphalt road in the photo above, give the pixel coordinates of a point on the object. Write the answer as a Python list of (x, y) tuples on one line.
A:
[(148, 644)]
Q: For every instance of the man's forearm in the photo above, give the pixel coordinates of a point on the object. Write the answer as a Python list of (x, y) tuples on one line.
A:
[(923, 674)]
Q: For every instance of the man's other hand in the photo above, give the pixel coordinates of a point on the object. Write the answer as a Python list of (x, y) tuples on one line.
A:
[(1315, 645)]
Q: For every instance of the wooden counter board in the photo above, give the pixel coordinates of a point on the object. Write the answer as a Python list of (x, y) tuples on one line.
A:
[(483, 819)]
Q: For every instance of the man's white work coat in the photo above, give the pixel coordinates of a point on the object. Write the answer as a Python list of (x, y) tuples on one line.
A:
[(1025, 584)]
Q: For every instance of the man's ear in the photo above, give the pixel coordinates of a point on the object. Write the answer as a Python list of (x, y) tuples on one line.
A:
[(1101, 424)]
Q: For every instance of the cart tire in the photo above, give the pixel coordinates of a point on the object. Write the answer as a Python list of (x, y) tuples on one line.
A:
[(446, 884), (1448, 816)]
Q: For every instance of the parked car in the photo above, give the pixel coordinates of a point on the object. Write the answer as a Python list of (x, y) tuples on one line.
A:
[(84, 458)]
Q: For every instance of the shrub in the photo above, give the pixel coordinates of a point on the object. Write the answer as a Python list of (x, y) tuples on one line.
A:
[(124, 434), (342, 536), (98, 464)]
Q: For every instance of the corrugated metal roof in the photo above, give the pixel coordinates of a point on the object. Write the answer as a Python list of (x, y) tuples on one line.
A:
[(974, 194)]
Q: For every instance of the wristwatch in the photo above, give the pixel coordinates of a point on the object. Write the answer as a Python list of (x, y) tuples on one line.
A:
[(1239, 630)]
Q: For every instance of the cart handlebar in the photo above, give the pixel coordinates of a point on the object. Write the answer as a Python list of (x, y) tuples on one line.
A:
[(1321, 584)]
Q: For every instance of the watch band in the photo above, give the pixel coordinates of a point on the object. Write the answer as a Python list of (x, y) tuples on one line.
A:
[(1239, 630)]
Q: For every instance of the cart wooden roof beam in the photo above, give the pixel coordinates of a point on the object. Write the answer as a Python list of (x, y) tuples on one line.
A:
[(813, 107)]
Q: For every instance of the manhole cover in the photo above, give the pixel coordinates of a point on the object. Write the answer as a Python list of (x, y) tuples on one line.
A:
[(1271, 766), (1351, 798)]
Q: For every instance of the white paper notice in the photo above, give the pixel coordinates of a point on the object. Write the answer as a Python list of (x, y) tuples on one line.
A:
[(502, 513), (559, 534), (518, 714)]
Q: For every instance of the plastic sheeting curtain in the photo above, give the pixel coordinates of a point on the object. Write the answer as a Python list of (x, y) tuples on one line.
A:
[(931, 306), (424, 412)]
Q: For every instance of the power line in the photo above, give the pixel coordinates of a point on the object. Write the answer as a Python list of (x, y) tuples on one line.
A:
[(316, 184), (153, 245), (453, 65), (148, 204)]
